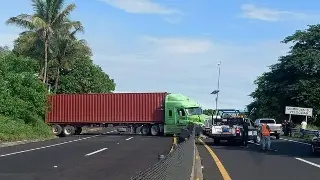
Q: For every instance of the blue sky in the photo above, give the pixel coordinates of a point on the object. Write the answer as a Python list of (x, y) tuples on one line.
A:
[(175, 45)]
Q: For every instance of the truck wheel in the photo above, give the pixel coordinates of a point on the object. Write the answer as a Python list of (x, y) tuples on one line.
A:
[(145, 130), (155, 130), (68, 130), (56, 129), (278, 136), (78, 130)]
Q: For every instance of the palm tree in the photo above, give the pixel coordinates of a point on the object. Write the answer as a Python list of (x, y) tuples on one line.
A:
[(48, 15), (66, 48)]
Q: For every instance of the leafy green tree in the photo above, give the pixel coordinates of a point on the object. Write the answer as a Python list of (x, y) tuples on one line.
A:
[(22, 95), (85, 77), (293, 81), (48, 15), (209, 112)]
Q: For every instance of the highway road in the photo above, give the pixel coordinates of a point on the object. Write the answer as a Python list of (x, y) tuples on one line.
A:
[(104, 155), (292, 160)]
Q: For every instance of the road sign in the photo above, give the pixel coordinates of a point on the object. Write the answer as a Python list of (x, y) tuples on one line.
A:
[(298, 111)]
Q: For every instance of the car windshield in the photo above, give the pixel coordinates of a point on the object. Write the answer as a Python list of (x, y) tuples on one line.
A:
[(194, 111), (268, 121)]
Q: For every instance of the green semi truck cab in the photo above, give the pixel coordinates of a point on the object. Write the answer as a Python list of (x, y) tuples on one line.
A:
[(180, 111)]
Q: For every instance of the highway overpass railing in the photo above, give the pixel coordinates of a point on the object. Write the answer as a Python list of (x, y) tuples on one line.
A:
[(177, 165)]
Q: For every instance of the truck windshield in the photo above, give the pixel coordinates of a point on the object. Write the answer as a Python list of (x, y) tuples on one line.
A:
[(194, 111)]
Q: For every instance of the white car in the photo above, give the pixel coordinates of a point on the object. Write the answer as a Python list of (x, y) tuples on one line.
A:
[(275, 128)]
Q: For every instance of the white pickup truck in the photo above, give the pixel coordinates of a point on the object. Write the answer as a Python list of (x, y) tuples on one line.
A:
[(274, 127)]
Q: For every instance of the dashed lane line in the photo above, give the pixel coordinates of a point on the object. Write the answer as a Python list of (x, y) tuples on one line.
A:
[(95, 152), (44, 147), (308, 162), (295, 141), (129, 138)]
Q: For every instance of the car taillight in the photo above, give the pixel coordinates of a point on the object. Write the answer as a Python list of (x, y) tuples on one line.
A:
[(238, 130)]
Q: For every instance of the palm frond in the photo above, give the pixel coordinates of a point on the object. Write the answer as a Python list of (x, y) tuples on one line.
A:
[(22, 20), (38, 22), (64, 14), (39, 7)]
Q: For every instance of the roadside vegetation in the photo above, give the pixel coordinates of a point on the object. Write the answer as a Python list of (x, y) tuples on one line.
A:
[(292, 81), (47, 57)]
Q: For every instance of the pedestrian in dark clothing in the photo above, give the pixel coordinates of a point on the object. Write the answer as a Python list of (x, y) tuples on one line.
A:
[(245, 133)]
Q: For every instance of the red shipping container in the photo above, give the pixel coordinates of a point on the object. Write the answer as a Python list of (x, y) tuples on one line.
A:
[(106, 108)]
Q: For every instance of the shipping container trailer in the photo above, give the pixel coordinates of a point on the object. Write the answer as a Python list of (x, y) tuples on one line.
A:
[(153, 113)]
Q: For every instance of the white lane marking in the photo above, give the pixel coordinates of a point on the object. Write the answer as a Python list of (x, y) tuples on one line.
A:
[(129, 138), (118, 143), (43, 147), (95, 152), (308, 162), (295, 141), (55, 166)]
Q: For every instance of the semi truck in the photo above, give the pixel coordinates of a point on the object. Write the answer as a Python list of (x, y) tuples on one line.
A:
[(153, 113)]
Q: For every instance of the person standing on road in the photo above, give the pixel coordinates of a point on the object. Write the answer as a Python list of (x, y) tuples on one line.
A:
[(245, 132), (303, 127), (265, 136)]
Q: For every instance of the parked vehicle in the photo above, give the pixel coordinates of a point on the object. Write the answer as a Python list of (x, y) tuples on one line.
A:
[(229, 126), (155, 113), (275, 128), (315, 143)]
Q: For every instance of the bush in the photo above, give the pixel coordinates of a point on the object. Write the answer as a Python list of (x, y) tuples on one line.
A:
[(22, 99), (12, 130)]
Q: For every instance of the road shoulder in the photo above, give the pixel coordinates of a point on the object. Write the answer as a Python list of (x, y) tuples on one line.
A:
[(210, 169)]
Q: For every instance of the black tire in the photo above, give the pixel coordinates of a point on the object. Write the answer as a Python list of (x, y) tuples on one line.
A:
[(78, 130), (155, 130), (145, 130), (68, 130), (56, 129), (278, 136)]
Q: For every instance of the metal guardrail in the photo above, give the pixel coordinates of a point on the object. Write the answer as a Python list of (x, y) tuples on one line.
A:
[(309, 132), (177, 165)]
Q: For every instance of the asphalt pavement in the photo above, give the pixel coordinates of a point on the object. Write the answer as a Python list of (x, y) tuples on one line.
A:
[(292, 160), (104, 155)]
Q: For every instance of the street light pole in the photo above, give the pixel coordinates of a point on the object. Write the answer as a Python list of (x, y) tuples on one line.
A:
[(218, 89), (216, 92)]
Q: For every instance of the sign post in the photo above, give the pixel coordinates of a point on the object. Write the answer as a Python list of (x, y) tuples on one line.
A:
[(298, 111)]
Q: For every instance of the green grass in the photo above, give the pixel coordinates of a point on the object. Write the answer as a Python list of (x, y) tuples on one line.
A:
[(12, 130)]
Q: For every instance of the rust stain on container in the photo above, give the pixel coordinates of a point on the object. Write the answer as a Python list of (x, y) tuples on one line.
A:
[(106, 108)]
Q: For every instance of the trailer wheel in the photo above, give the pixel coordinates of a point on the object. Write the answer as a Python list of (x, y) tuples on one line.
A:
[(155, 130), (145, 130), (78, 130), (68, 130), (56, 129)]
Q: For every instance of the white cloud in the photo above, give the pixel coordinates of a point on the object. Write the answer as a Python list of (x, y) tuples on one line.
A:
[(189, 66), (251, 11), (146, 7), (7, 39), (180, 45), (140, 6)]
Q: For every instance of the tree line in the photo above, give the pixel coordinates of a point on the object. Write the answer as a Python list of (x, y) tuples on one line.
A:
[(293, 81), (47, 55)]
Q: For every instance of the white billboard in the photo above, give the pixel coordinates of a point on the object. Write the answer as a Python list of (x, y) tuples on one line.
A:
[(298, 111)]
